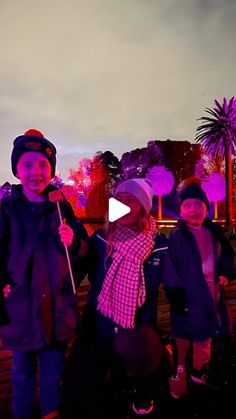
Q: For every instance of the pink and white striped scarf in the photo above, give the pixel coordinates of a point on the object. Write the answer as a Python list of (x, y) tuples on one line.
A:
[(123, 290)]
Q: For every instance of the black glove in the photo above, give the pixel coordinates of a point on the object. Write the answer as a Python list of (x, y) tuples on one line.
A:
[(177, 299)]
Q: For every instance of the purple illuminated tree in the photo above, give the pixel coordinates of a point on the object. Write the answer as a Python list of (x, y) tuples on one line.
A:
[(162, 181), (214, 186), (217, 134)]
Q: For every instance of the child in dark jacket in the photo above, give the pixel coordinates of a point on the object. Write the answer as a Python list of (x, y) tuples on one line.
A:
[(125, 262), (199, 264), (41, 307)]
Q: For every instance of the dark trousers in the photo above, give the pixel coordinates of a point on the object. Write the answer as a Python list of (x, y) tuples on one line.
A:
[(23, 378), (141, 351), (92, 359), (85, 380)]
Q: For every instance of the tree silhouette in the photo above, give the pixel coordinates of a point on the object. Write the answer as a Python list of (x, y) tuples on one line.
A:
[(180, 157), (136, 163), (217, 134)]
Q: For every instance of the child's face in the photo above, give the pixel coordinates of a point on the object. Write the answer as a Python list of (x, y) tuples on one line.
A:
[(193, 211), (132, 217), (34, 171)]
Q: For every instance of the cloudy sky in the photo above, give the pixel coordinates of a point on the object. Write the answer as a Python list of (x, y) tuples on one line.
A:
[(111, 74)]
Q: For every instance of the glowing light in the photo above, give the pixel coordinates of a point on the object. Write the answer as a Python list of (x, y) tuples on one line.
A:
[(215, 187), (162, 180)]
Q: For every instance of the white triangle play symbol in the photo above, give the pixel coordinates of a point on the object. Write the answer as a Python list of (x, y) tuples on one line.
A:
[(116, 209)]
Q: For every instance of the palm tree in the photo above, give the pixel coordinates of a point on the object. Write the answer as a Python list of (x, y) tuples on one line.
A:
[(217, 134)]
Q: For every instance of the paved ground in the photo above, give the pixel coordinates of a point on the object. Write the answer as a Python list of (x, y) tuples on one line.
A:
[(200, 403)]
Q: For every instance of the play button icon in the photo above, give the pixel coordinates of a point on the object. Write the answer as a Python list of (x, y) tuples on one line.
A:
[(116, 209)]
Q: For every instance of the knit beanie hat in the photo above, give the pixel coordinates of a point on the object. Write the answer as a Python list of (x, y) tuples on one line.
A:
[(140, 189), (33, 140), (193, 190)]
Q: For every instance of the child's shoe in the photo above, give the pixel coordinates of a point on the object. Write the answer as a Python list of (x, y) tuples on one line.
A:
[(145, 412), (178, 383), (204, 376)]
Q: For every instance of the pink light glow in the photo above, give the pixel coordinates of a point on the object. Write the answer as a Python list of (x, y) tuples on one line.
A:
[(162, 180), (215, 187)]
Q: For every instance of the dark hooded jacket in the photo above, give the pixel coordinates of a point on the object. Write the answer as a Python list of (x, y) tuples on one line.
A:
[(41, 307), (194, 314)]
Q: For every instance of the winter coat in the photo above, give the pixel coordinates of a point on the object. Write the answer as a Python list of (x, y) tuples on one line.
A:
[(194, 314), (97, 266), (41, 306)]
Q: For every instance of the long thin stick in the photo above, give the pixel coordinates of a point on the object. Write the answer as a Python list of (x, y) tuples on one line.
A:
[(67, 253)]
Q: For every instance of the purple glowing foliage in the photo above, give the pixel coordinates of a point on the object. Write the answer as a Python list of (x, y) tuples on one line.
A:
[(162, 180), (82, 201), (215, 187), (137, 162), (129, 164), (85, 166), (57, 181)]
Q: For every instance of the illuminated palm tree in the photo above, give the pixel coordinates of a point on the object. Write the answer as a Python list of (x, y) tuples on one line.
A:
[(217, 134)]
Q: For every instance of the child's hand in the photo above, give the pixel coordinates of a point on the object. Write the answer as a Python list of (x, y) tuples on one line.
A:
[(223, 280), (66, 234), (6, 291)]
